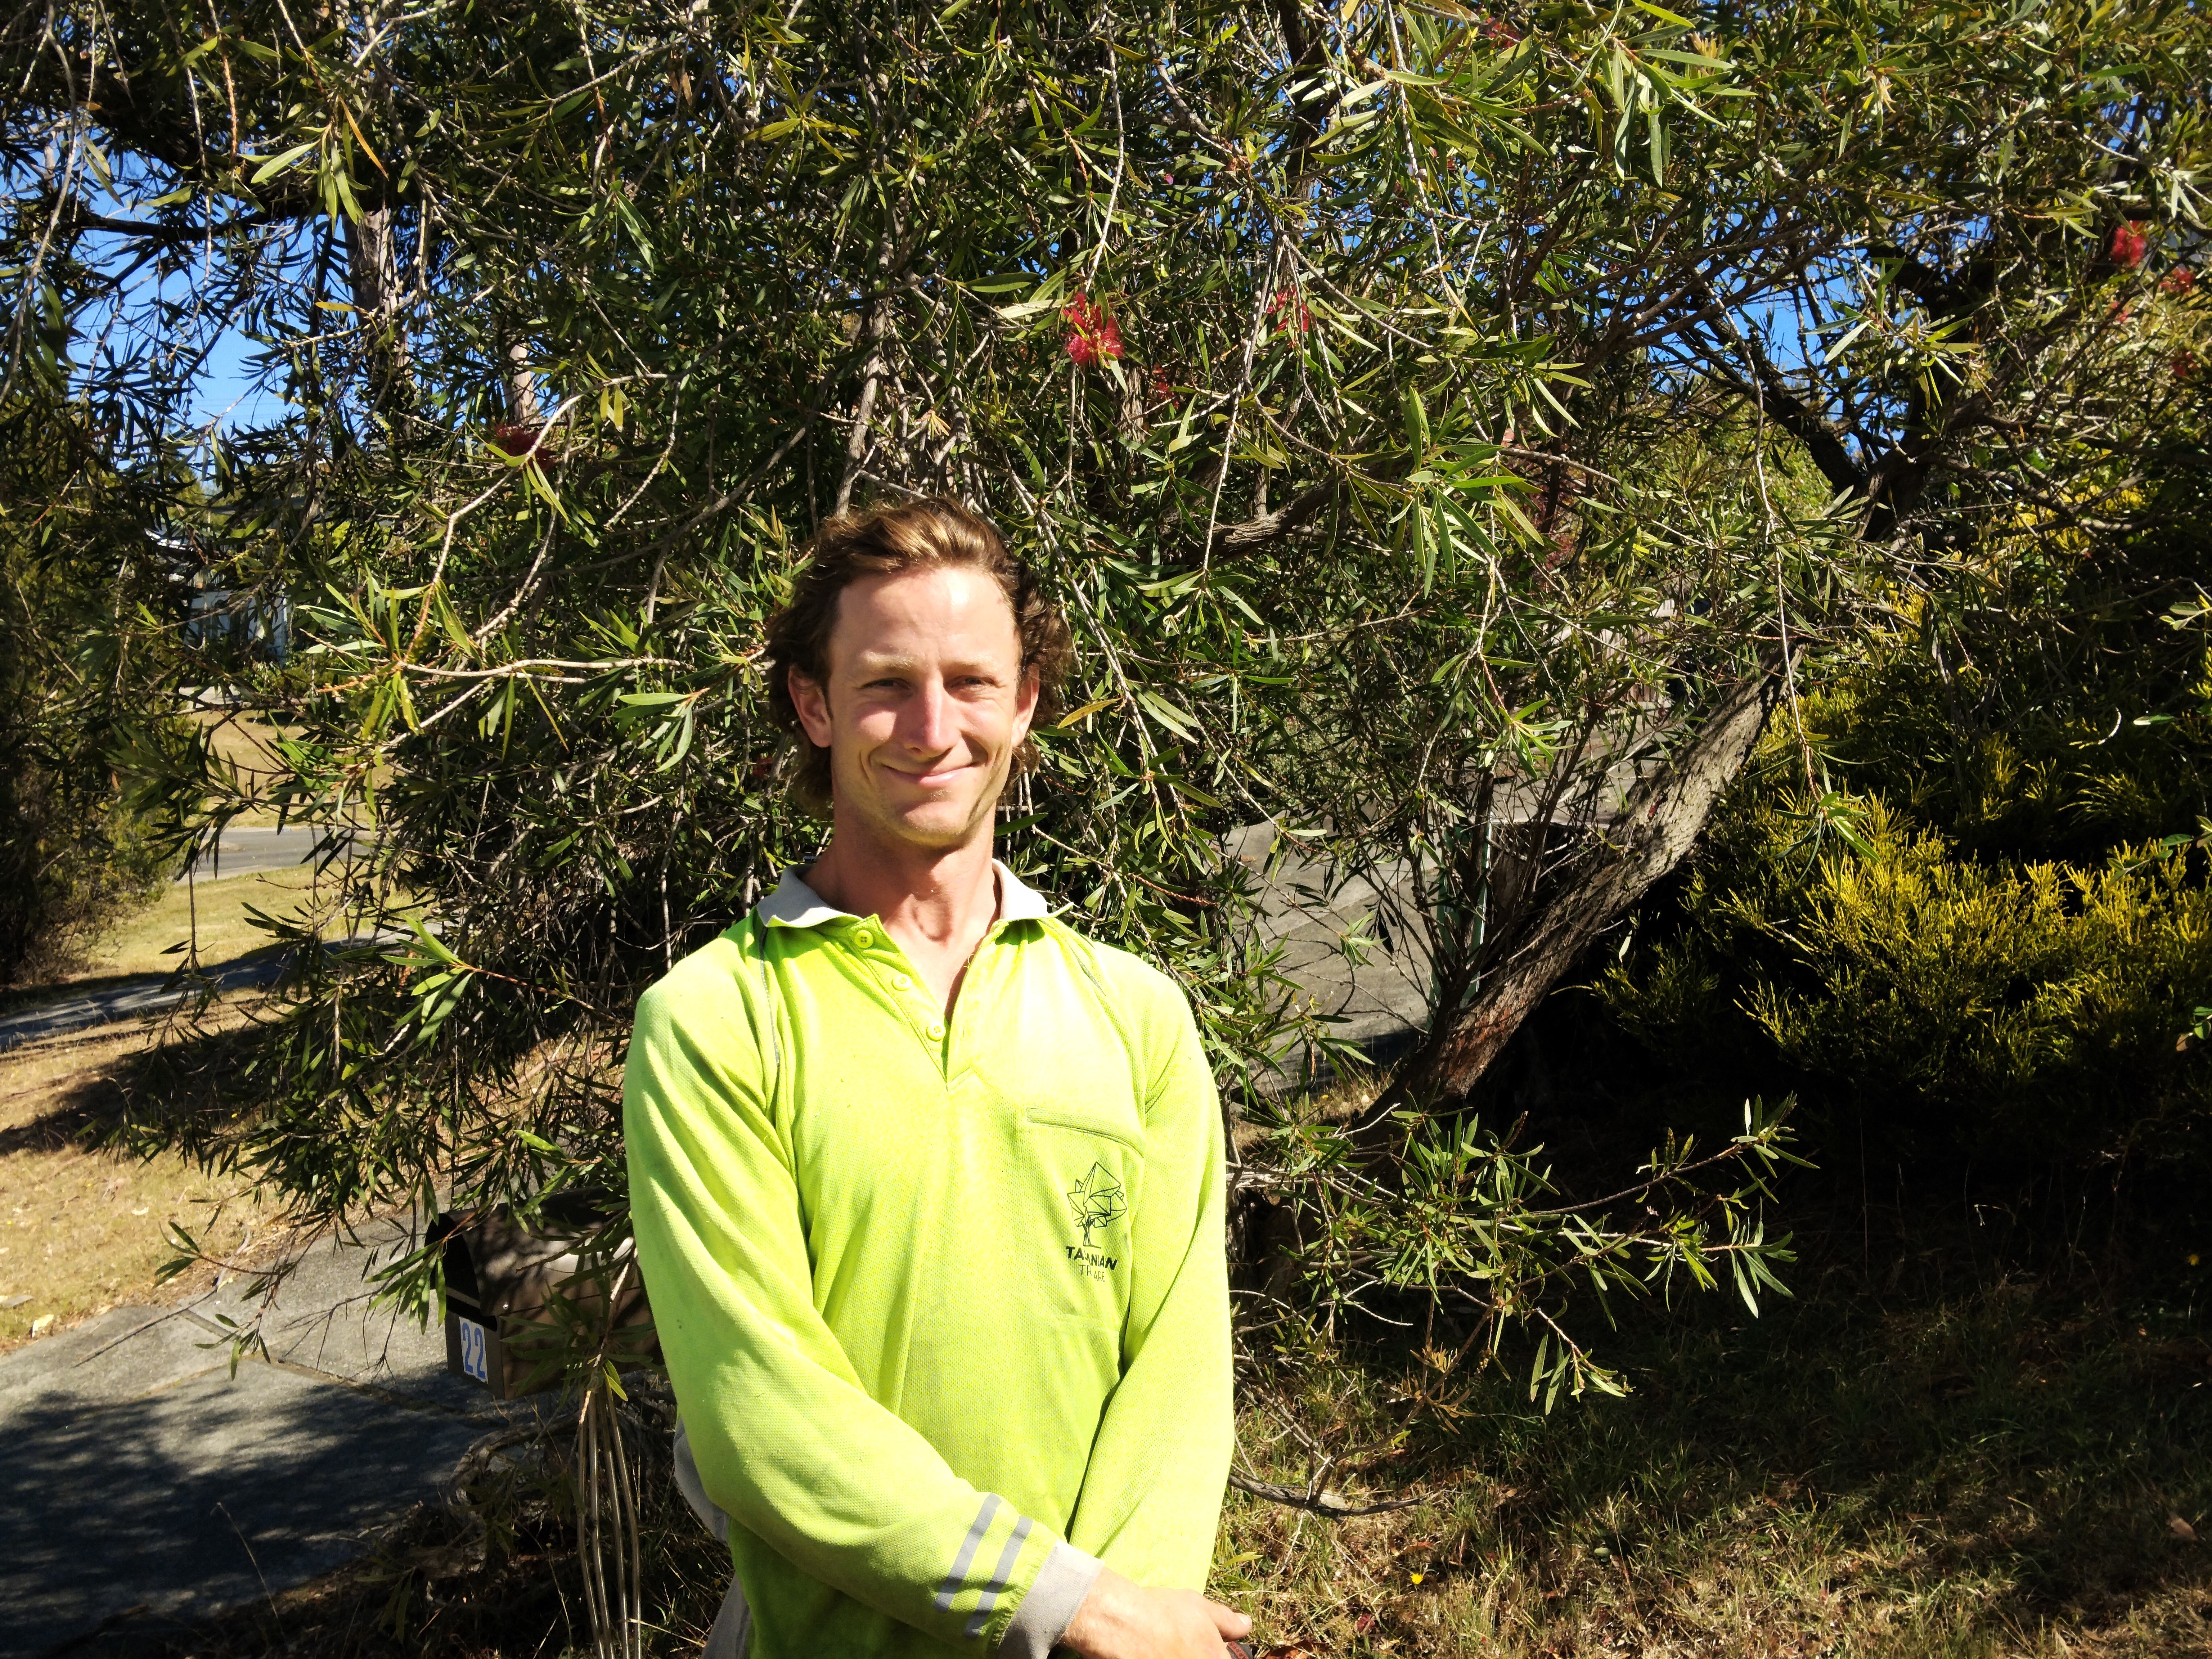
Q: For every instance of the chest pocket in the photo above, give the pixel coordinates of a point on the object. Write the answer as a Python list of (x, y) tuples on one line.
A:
[(1084, 1151)]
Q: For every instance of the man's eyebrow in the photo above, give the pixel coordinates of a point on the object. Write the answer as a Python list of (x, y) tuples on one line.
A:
[(872, 663)]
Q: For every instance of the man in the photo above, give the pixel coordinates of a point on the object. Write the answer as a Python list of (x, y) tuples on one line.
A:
[(927, 1187)]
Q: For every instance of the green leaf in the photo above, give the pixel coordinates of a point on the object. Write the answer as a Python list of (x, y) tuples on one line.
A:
[(1176, 720), (270, 169)]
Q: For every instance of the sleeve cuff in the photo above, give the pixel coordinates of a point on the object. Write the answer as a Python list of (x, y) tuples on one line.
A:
[(1061, 1583)]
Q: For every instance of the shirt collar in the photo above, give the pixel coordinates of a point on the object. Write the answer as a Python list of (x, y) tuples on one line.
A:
[(795, 904)]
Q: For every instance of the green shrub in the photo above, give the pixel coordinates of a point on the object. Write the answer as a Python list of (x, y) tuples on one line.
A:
[(1996, 1007)]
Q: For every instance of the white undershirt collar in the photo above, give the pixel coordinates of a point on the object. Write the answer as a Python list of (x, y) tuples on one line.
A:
[(795, 904)]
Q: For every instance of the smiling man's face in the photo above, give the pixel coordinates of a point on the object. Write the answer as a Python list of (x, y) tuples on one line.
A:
[(925, 706)]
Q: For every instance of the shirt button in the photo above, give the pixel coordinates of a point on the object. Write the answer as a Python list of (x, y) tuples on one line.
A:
[(936, 1033), (902, 982), (863, 938)]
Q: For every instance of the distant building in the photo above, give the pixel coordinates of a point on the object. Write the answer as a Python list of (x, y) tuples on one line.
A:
[(254, 622), (259, 624)]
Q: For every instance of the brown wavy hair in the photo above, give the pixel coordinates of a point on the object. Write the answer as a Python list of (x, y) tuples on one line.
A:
[(931, 534)]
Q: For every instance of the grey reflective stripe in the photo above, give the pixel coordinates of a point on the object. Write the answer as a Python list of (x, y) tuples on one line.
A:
[(958, 1576), (999, 1580)]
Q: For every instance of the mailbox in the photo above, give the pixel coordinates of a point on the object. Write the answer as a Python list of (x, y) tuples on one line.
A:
[(503, 1279)]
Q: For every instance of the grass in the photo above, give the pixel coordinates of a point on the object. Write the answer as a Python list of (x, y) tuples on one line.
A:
[(244, 745), (1958, 1463), (216, 917), (82, 1229), (215, 914), (1994, 1469)]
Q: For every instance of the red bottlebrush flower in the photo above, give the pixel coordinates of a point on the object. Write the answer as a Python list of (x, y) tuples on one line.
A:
[(2185, 366), (1093, 338), (2128, 243), (1289, 311), (512, 440), (1158, 383), (1497, 29), (2179, 280)]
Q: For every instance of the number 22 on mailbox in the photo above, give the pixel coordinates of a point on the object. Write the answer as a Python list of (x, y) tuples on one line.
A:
[(473, 1351)]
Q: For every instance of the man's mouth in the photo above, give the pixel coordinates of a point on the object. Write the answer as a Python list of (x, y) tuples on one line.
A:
[(944, 777)]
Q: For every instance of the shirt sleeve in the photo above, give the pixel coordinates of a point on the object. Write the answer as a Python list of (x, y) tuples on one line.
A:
[(1151, 1497), (784, 1437)]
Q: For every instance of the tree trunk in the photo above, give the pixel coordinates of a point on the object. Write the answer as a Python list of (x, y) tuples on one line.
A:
[(373, 276), (1663, 817)]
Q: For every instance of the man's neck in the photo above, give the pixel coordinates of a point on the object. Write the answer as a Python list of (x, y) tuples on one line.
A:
[(936, 904)]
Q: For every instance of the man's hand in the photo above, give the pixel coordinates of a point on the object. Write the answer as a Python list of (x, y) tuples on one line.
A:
[(1120, 1619)]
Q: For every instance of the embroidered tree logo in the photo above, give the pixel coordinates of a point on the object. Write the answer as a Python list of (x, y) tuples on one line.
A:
[(1097, 1201)]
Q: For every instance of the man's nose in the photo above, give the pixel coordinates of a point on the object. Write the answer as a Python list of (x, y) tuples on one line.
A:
[(929, 719)]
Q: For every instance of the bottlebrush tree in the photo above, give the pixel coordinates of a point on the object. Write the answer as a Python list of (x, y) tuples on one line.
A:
[(1452, 433)]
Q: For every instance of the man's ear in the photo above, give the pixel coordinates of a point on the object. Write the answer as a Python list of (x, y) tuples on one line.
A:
[(1025, 703), (813, 706)]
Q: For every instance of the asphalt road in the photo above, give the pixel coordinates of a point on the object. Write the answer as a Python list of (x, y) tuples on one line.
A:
[(146, 994), (239, 852), (246, 850), (135, 998)]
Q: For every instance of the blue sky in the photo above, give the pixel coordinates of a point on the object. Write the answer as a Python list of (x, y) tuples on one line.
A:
[(226, 392)]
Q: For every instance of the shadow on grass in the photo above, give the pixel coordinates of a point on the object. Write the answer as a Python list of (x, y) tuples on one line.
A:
[(174, 1093), (1951, 1462), (87, 1111)]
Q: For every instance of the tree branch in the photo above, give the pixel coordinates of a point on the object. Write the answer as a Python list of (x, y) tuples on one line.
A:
[(1292, 516), (1771, 393), (1329, 1504)]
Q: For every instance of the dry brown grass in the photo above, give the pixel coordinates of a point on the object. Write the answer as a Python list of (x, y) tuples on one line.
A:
[(82, 1229), (244, 745)]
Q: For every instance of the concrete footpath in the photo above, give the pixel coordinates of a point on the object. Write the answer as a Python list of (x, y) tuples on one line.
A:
[(145, 1485)]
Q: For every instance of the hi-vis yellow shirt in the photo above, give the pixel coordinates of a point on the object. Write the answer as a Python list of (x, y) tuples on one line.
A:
[(944, 1303)]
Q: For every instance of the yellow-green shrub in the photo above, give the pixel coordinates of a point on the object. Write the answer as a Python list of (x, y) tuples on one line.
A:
[(2028, 1008)]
